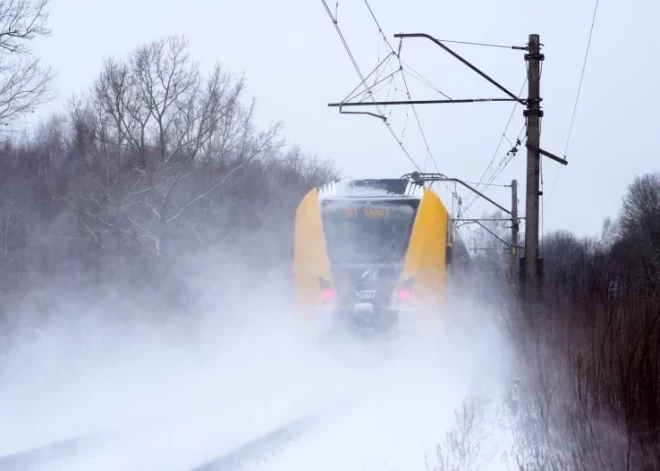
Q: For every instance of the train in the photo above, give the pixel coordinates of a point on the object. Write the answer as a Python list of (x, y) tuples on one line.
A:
[(373, 254)]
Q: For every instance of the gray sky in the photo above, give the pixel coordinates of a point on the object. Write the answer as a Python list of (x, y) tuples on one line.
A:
[(295, 64)]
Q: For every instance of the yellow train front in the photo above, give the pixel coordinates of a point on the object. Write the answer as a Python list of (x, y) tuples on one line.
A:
[(371, 253)]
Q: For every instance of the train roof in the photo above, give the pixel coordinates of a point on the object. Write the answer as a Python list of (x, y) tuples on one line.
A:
[(371, 188)]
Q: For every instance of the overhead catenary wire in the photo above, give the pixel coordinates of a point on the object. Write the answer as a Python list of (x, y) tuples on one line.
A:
[(577, 98), (394, 95), (416, 75), (357, 69), (419, 124), (398, 56), (469, 43), (508, 157), (490, 184), (499, 144), (504, 162), (405, 82), (380, 30), (407, 91), (373, 88), (369, 92), (353, 93)]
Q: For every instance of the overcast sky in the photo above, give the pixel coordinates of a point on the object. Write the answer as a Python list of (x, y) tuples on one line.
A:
[(295, 64)]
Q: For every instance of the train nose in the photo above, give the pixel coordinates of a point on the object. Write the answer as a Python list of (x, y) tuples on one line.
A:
[(363, 308), (366, 284)]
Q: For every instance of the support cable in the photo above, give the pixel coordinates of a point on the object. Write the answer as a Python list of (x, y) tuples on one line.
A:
[(405, 82), (577, 98), (506, 128), (359, 72)]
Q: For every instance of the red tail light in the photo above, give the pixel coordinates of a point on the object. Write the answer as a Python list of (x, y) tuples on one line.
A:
[(405, 289), (327, 294)]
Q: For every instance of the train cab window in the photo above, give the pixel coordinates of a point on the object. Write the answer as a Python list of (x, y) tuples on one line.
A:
[(368, 232)]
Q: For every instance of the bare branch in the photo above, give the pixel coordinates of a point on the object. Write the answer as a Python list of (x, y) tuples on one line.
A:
[(87, 213), (24, 83), (22, 21), (206, 193)]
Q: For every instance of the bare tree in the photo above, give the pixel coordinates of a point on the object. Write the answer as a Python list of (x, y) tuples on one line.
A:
[(168, 81), (24, 83), (154, 160), (640, 223)]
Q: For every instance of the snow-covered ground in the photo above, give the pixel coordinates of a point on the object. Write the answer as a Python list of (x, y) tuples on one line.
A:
[(154, 401), (410, 404)]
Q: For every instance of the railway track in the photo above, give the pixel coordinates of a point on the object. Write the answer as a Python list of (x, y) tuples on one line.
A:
[(258, 449), (102, 451), (261, 448), (266, 446), (37, 457), (253, 451), (107, 448)]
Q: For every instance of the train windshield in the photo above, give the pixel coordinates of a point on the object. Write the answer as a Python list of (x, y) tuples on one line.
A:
[(368, 232)]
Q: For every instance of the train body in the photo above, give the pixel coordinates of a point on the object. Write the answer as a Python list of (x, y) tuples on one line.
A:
[(371, 253)]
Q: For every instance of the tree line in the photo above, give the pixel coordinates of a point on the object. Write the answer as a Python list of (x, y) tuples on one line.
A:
[(158, 159), (589, 351), (155, 160), (602, 321)]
